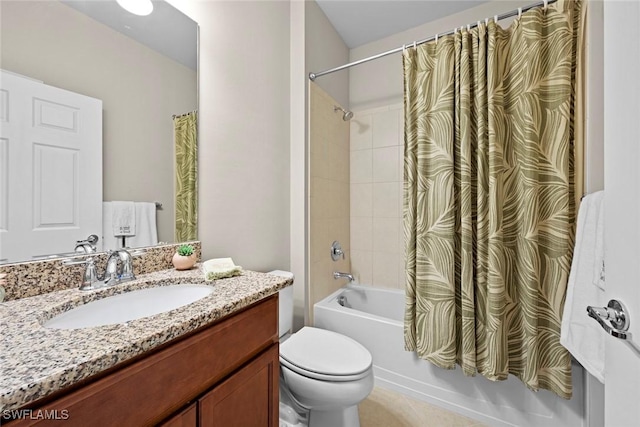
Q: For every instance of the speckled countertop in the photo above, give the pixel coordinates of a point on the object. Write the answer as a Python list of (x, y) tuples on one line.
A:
[(36, 361)]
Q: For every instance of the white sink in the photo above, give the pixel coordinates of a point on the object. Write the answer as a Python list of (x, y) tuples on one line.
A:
[(128, 306)]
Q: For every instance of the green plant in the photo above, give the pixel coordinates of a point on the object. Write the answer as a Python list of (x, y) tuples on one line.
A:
[(185, 250)]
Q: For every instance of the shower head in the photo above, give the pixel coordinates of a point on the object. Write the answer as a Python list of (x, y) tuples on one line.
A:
[(346, 115)]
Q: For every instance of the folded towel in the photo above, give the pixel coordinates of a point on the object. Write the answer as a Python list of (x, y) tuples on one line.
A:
[(220, 268), (124, 218), (581, 335), (146, 229)]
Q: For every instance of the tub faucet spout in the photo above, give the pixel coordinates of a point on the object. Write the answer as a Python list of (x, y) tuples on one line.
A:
[(338, 275)]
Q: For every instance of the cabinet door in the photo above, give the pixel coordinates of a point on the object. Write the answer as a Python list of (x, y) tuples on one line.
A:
[(186, 418), (249, 398)]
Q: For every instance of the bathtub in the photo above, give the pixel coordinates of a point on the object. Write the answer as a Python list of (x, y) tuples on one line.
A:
[(374, 317)]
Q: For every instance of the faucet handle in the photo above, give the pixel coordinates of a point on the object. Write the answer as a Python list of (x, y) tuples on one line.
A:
[(127, 265), (90, 275), (336, 251)]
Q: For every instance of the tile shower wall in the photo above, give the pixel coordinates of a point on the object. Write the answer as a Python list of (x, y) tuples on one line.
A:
[(376, 158), (329, 195)]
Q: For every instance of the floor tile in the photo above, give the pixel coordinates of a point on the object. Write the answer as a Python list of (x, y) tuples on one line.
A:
[(386, 408)]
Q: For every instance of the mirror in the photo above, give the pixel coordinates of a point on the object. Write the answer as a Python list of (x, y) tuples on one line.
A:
[(142, 68)]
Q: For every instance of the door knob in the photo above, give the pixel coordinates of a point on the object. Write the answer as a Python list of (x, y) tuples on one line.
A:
[(616, 314)]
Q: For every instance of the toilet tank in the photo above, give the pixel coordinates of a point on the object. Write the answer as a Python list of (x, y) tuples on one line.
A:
[(285, 304)]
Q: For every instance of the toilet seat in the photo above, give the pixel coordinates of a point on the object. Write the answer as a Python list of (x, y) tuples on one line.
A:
[(325, 355)]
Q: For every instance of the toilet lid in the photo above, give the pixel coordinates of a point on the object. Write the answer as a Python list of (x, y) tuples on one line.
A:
[(322, 354)]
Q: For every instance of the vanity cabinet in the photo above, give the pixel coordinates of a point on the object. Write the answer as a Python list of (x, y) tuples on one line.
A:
[(245, 399), (224, 374), (186, 418)]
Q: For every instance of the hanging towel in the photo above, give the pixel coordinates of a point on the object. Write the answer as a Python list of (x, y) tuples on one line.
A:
[(598, 265), (109, 241), (124, 218), (146, 229), (580, 334)]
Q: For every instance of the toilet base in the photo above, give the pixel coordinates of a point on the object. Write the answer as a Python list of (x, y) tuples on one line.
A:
[(347, 417)]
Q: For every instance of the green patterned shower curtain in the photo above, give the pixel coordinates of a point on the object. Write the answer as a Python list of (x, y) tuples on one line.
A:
[(186, 142), (492, 154)]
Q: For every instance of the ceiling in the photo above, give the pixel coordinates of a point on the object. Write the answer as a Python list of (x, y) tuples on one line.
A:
[(166, 30), (357, 21), (362, 21)]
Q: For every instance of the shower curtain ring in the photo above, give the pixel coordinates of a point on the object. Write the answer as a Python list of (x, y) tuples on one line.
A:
[(546, 3), (436, 38), (519, 12), (415, 44)]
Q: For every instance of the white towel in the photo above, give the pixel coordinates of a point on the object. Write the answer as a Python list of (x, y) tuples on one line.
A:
[(598, 263), (146, 229), (109, 240), (580, 334), (124, 218)]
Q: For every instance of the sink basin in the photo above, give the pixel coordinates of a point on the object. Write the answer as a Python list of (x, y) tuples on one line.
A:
[(128, 306)]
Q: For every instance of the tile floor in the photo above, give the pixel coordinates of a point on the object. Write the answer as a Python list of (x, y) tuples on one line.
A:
[(386, 408)]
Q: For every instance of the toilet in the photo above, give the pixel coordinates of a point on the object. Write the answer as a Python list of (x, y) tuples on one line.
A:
[(323, 372)]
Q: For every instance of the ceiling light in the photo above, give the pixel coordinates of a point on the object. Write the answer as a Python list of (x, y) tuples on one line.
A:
[(137, 7)]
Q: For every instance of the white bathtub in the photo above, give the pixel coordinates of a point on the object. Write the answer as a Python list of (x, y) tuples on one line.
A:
[(375, 319)]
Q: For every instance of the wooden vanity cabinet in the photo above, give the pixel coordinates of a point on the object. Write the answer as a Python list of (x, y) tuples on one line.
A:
[(186, 418), (225, 374), (247, 399)]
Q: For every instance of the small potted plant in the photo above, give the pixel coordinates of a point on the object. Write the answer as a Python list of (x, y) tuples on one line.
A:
[(184, 258)]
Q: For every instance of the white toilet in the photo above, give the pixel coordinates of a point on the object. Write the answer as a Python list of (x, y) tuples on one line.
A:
[(324, 372)]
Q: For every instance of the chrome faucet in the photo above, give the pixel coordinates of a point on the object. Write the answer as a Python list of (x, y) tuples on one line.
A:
[(119, 269), (86, 246), (338, 275)]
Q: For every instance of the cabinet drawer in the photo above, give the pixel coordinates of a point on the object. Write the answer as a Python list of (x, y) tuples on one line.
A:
[(151, 389)]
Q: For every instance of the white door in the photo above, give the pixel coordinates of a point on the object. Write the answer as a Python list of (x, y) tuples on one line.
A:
[(622, 209), (50, 168)]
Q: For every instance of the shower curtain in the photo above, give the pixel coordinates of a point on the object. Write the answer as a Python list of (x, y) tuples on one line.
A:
[(493, 145), (186, 143)]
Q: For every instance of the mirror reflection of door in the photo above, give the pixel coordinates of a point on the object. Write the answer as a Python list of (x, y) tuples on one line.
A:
[(51, 163), (144, 69)]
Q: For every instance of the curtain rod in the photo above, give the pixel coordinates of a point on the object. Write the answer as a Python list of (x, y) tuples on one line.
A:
[(175, 116), (313, 76)]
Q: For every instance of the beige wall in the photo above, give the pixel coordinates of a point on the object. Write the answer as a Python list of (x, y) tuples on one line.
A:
[(243, 130), (140, 90), (329, 196), (325, 49)]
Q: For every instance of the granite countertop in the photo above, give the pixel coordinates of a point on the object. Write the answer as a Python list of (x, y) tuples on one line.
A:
[(36, 361)]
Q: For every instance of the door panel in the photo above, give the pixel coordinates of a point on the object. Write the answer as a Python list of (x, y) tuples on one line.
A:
[(622, 204)]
